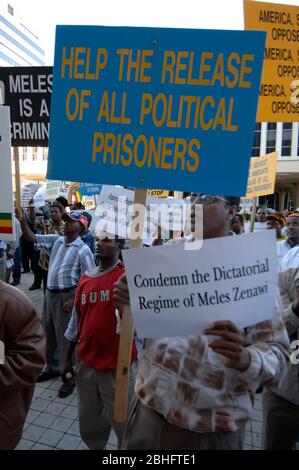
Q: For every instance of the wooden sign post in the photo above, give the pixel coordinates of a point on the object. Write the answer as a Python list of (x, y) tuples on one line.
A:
[(17, 177), (252, 219), (127, 326)]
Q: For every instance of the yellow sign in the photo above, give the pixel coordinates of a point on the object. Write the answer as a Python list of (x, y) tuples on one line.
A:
[(279, 90), (157, 193), (262, 172)]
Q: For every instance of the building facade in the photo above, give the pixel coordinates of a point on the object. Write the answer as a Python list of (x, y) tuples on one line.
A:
[(20, 46), (283, 138)]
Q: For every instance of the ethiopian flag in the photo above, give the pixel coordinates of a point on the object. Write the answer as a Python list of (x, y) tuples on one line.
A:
[(5, 222)]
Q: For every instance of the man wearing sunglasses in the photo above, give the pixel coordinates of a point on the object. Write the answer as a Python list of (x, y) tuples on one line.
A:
[(261, 220), (197, 392)]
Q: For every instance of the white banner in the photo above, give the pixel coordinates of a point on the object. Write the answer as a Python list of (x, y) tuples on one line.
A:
[(28, 191), (56, 189), (177, 292), (53, 190), (39, 199), (6, 202), (114, 213)]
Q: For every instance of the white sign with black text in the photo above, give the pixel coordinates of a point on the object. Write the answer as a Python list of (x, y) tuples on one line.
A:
[(114, 213), (7, 231), (178, 292)]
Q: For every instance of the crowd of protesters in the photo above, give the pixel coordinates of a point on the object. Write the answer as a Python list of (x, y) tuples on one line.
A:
[(184, 393)]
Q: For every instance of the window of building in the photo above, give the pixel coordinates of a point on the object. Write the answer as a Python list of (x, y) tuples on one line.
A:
[(8, 60), (286, 146), (20, 46), (10, 9), (271, 137), (256, 140), (45, 153), (24, 154), (34, 154), (20, 34)]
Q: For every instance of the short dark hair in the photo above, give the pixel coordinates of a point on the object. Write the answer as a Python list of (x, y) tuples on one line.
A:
[(120, 241), (240, 217), (57, 206), (233, 200), (62, 201), (78, 206)]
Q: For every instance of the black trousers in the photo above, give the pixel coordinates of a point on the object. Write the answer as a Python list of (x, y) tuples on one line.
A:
[(28, 255)]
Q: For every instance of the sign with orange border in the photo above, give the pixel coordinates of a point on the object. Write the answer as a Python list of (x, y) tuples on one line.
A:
[(279, 90)]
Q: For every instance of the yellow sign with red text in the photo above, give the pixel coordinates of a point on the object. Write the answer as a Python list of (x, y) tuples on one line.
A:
[(157, 193), (262, 172), (279, 89)]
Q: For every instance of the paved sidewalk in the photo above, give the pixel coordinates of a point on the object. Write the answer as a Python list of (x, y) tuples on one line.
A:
[(52, 422)]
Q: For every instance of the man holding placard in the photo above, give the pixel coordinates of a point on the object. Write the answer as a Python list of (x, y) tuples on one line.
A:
[(69, 258), (200, 389), (92, 331)]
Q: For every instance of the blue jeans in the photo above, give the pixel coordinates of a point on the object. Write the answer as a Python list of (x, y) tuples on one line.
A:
[(17, 265)]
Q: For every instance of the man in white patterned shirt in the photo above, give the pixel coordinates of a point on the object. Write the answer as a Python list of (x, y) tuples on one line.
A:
[(69, 259), (198, 392), (281, 406)]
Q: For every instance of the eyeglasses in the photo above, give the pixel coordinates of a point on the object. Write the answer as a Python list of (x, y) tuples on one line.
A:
[(206, 198), (261, 213)]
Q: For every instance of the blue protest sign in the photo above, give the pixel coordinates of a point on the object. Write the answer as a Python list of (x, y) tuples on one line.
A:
[(90, 189), (151, 107)]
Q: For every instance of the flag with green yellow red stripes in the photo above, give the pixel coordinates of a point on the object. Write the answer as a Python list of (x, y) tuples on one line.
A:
[(6, 222)]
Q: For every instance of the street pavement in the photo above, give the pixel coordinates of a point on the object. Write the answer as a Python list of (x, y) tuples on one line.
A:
[(52, 422)]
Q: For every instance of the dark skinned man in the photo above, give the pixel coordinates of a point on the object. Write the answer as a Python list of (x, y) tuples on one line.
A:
[(292, 230), (198, 392), (92, 330), (69, 258)]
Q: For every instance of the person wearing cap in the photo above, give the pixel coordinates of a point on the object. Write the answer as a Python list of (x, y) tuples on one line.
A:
[(53, 226), (276, 221), (69, 259), (292, 230)]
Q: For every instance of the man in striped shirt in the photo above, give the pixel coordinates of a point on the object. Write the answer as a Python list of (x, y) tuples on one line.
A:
[(69, 259)]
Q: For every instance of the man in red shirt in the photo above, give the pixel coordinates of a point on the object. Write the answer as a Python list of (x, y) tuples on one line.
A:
[(92, 329)]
